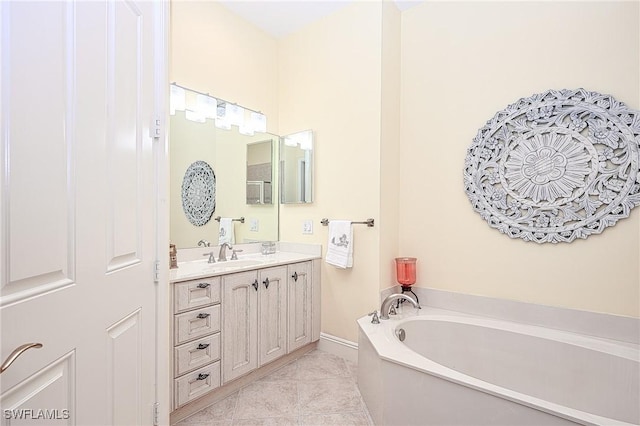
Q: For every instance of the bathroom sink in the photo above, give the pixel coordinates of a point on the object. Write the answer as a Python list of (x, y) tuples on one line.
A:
[(203, 267), (240, 263)]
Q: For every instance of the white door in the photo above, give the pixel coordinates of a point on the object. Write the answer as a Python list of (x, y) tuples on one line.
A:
[(79, 90)]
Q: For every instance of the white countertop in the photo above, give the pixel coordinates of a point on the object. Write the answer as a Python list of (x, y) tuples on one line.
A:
[(196, 269)]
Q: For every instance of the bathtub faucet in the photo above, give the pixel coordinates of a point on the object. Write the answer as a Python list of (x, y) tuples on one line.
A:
[(388, 301)]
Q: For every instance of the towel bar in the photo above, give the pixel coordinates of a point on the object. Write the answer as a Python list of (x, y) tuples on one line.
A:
[(241, 220), (368, 222)]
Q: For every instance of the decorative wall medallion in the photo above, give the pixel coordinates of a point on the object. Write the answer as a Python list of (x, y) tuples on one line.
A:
[(199, 193), (556, 166)]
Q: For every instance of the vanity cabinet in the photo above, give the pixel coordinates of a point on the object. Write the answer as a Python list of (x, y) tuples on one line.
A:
[(300, 297), (255, 319), (196, 338), (229, 325)]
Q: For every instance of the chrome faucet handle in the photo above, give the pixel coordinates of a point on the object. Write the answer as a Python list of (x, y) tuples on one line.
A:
[(234, 254), (212, 259), (375, 319)]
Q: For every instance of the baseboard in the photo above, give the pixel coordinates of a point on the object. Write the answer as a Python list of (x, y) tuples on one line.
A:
[(338, 346)]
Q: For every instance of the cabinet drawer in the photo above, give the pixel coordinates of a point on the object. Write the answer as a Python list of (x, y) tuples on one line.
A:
[(195, 354), (193, 385), (197, 323), (192, 294)]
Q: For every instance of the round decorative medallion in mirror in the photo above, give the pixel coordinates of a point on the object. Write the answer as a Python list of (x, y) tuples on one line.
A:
[(556, 166), (199, 193)]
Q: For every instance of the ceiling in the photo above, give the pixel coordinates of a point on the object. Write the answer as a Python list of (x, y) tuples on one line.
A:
[(281, 18)]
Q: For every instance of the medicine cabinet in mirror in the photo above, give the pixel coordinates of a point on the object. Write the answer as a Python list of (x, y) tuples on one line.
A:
[(259, 173), (296, 168)]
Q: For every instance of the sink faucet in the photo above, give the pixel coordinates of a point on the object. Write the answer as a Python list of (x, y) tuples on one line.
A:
[(222, 256), (204, 243), (386, 304)]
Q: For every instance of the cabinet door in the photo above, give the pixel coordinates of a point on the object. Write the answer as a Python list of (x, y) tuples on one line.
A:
[(272, 314), (300, 298), (239, 325)]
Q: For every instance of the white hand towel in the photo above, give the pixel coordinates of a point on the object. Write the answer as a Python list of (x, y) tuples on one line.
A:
[(340, 246), (226, 231)]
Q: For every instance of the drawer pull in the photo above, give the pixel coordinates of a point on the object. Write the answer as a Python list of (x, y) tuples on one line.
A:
[(255, 284), (295, 276), (203, 285), (202, 376), (203, 315), (266, 283), (203, 346)]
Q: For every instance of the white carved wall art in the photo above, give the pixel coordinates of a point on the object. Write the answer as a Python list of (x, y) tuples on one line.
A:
[(556, 166), (199, 193)]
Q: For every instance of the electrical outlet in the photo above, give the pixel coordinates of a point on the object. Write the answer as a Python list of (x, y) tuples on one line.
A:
[(253, 225), (307, 227)]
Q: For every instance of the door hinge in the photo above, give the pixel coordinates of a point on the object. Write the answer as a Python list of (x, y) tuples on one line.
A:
[(156, 271), (156, 413), (156, 128)]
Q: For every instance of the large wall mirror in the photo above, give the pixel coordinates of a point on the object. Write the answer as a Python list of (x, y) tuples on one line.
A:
[(229, 154), (296, 168)]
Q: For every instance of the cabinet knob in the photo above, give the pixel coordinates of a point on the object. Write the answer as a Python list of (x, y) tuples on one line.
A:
[(255, 284), (295, 276), (202, 376), (203, 315), (203, 285), (203, 346), (266, 283)]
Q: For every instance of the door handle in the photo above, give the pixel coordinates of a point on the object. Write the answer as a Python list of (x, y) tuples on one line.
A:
[(266, 283), (202, 315), (295, 276), (203, 285), (16, 353), (255, 284), (203, 346), (202, 376)]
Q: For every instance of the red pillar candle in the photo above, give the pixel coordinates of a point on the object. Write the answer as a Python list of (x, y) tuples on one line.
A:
[(406, 270)]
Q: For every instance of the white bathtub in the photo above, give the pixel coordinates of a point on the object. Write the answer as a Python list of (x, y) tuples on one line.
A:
[(459, 369)]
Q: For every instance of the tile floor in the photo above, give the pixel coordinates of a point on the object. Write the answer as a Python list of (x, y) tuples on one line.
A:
[(316, 389)]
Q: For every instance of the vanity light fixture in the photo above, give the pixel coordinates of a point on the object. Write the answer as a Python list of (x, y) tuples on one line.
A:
[(258, 122), (235, 114), (206, 106), (225, 113)]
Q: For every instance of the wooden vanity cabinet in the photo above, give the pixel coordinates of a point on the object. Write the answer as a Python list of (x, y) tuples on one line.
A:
[(255, 320), (196, 338), (227, 326), (300, 297)]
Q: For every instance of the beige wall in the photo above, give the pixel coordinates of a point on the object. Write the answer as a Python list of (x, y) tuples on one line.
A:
[(330, 81), (461, 63), (394, 101), (388, 216), (215, 51)]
